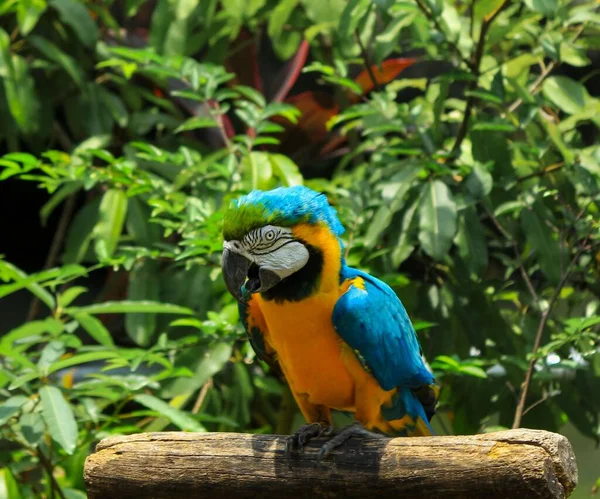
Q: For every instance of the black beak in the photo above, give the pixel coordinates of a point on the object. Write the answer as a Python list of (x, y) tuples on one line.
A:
[(242, 277)]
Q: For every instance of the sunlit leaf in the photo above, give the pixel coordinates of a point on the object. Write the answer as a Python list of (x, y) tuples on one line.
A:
[(179, 418), (112, 212), (59, 418), (437, 219)]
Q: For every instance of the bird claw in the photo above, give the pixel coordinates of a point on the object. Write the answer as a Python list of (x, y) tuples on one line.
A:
[(306, 432), (353, 430)]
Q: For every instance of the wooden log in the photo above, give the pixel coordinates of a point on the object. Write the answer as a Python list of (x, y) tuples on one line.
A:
[(515, 463)]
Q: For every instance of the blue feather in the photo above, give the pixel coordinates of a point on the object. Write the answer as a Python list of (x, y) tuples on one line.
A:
[(374, 323), (294, 205)]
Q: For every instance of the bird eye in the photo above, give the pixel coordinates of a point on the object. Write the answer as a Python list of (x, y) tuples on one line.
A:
[(270, 235)]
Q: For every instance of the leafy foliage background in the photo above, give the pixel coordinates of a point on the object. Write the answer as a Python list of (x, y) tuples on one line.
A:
[(458, 141)]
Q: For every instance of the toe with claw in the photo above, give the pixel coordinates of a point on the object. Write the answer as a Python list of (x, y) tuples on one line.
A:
[(298, 440), (354, 430)]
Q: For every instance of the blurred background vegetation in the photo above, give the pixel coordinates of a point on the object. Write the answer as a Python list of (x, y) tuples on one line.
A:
[(458, 141)]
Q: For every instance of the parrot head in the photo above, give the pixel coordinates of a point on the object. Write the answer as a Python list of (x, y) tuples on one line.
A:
[(263, 245)]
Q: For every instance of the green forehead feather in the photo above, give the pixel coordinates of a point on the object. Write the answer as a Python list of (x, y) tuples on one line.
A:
[(239, 220), (286, 206)]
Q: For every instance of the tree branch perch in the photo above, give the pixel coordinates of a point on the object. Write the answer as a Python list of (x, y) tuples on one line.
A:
[(514, 463)]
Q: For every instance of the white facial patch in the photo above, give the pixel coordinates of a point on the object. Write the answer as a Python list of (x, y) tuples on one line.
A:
[(272, 248)]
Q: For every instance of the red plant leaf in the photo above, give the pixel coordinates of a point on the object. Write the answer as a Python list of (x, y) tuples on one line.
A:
[(292, 70), (389, 70), (317, 109), (243, 62)]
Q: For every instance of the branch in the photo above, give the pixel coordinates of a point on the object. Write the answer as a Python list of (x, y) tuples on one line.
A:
[(541, 173), (475, 66), (429, 15), (517, 252), (539, 334), (528, 463), (535, 86), (365, 56), (57, 242), (47, 465)]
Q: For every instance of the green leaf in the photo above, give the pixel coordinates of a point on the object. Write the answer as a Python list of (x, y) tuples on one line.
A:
[(81, 358), (32, 427), (479, 182), (9, 487), (195, 123), (257, 170), (475, 371), (58, 197), (112, 212), (545, 7), (437, 219), (29, 330), (55, 54), (285, 41), (81, 232), (34, 288), (74, 493), (70, 294), (179, 418), (19, 88), (59, 418), (94, 328), (539, 235), (494, 126), (10, 407), (285, 170), (398, 188), (138, 223), (353, 14), (567, 94), (509, 207), (279, 16), (143, 286), (75, 14), (28, 13), (50, 353), (408, 234), (124, 307), (205, 363), (471, 242), (251, 94)]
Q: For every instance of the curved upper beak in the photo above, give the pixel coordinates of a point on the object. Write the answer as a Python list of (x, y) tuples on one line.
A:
[(243, 277)]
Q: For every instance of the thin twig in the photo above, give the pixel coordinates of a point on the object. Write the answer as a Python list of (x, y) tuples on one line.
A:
[(536, 85), (546, 396), (472, 20), (57, 243), (538, 336), (429, 15), (202, 395), (47, 465), (541, 173), (475, 66), (63, 223), (365, 56), (517, 252)]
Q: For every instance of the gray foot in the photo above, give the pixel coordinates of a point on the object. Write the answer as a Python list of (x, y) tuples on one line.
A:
[(298, 440), (354, 430)]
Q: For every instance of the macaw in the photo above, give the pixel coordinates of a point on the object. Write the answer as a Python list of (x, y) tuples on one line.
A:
[(341, 337)]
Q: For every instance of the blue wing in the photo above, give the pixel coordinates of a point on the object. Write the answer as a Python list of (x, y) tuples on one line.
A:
[(371, 319)]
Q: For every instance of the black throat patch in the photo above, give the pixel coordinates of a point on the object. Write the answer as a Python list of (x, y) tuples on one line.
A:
[(300, 284)]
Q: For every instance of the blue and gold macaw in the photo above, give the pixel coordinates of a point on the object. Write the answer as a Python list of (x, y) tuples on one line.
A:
[(341, 337)]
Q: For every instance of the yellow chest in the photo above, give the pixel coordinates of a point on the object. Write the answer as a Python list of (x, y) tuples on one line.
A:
[(313, 357)]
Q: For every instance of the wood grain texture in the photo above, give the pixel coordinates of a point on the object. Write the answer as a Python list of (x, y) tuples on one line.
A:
[(515, 463)]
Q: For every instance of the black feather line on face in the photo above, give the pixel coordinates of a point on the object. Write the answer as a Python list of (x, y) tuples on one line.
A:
[(256, 253), (300, 284)]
